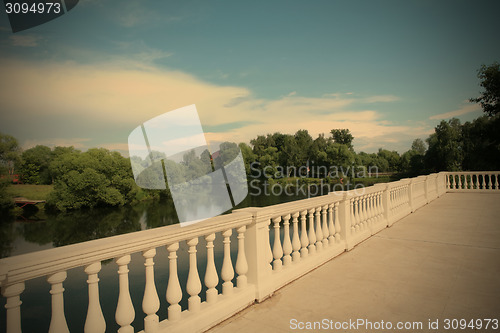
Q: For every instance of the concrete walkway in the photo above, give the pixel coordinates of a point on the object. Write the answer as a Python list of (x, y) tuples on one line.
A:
[(443, 261)]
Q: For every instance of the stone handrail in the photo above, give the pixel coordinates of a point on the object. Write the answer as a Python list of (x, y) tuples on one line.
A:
[(275, 245), (472, 180)]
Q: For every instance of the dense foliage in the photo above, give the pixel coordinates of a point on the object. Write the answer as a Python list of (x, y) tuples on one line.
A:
[(490, 82)]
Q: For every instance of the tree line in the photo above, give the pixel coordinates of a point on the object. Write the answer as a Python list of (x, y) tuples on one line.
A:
[(99, 177)]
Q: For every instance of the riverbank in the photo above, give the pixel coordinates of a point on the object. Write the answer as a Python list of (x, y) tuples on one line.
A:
[(34, 192)]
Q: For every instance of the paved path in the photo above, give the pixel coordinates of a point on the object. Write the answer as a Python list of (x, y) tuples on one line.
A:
[(443, 261)]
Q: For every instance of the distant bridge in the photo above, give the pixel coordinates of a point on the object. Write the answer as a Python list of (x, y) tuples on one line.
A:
[(22, 202)]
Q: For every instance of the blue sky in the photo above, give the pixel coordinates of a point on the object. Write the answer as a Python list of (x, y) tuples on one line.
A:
[(387, 70)]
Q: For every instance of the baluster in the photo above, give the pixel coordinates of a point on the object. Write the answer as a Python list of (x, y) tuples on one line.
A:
[(362, 214), (125, 313), (354, 215), (58, 320), (277, 249), (395, 200), (211, 277), (381, 206), (312, 234), (295, 237), (324, 227), (304, 240), (496, 180), (319, 232), (459, 181), (13, 305), (338, 228), (174, 291), (391, 201), (227, 272), (269, 251), (376, 206), (331, 226), (369, 209), (366, 210), (150, 302), (287, 244), (94, 323), (477, 181), (448, 186), (241, 267), (490, 182), (193, 285)]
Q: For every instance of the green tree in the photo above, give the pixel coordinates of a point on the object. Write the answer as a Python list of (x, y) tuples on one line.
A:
[(490, 96), (445, 151), (248, 157), (304, 143), (92, 178), (412, 161), (418, 145), (342, 136), (10, 158), (392, 158), (87, 188), (10, 154), (35, 165), (481, 143)]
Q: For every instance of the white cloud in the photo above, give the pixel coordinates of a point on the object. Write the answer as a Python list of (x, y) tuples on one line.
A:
[(128, 93), (467, 108), (381, 98)]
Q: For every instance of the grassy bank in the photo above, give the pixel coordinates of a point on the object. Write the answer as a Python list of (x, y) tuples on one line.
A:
[(35, 192)]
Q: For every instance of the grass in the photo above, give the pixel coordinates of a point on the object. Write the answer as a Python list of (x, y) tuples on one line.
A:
[(34, 192)]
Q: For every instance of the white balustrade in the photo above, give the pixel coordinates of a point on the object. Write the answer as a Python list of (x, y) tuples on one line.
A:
[(211, 277), (94, 323), (287, 243), (58, 320), (241, 267), (277, 249), (304, 239), (331, 225), (193, 285), (125, 309), (269, 252), (295, 238), (174, 291), (322, 226), (338, 228), (353, 213), (13, 305), (312, 234), (151, 301), (319, 232), (227, 272)]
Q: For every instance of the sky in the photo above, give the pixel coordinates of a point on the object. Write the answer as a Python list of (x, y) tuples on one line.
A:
[(389, 71)]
